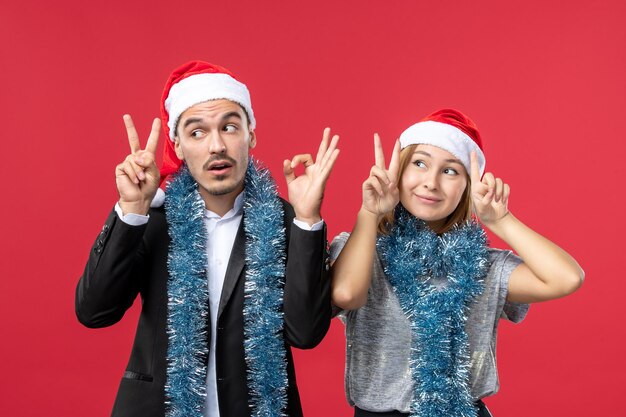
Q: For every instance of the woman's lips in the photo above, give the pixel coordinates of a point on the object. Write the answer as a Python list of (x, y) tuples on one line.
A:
[(427, 200)]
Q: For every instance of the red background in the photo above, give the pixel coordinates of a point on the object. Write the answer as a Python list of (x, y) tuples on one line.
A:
[(545, 81)]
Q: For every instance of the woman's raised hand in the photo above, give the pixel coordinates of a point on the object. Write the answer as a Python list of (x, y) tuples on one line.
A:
[(380, 189), (490, 195), (137, 177)]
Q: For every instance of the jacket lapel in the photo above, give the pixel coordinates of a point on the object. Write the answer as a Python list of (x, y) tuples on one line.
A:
[(235, 267)]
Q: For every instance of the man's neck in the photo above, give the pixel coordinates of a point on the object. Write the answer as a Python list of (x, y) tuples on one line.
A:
[(220, 204)]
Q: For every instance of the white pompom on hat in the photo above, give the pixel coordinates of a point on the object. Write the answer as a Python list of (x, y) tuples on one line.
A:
[(451, 130)]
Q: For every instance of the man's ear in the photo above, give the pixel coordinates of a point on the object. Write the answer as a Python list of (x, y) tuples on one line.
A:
[(252, 143), (179, 151)]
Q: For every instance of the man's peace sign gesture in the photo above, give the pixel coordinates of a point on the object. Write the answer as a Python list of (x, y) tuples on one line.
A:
[(490, 196), (137, 177), (380, 190)]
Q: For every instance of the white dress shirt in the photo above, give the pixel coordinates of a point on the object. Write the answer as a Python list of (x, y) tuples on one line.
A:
[(221, 233)]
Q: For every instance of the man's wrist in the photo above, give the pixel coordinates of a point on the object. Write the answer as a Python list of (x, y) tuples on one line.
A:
[(141, 208), (309, 220)]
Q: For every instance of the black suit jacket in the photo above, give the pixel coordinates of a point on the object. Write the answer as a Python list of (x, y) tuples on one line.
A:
[(129, 260)]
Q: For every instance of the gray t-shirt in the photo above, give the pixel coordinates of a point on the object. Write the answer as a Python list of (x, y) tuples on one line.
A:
[(378, 337)]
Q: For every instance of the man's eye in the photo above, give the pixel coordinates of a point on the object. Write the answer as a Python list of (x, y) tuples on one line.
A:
[(196, 133), (230, 128)]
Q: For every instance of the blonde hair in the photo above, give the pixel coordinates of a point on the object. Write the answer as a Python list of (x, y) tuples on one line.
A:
[(461, 214)]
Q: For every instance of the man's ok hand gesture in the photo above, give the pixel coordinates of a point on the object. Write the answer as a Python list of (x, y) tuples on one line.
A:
[(306, 191), (380, 189), (137, 177)]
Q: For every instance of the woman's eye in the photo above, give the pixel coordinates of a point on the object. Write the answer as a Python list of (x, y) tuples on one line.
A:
[(450, 171), (419, 163)]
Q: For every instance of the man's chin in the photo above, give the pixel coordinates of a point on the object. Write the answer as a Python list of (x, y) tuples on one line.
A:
[(222, 189)]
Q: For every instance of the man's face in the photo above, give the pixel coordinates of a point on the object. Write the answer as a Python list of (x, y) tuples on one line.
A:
[(214, 140)]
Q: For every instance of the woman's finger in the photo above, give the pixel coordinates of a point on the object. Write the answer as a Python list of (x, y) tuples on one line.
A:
[(381, 174), (373, 183), (379, 155), (499, 189)]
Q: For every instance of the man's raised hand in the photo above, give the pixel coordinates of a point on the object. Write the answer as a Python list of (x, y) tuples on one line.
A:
[(306, 192), (380, 189), (137, 177)]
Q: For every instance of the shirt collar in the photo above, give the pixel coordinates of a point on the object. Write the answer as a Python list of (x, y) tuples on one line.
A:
[(236, 210)]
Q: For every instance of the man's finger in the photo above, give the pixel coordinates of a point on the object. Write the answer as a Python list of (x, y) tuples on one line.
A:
[(288, 171), (144, 159), (474, 168), (326, 170), (131, 159), (329, 152), (323, 144), (126, 169), (153, 139), (394, 165), (306, 159), (133, 138), (379, 155)]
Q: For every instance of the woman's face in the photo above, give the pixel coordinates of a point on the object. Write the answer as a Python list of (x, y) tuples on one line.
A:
[(432, 184)]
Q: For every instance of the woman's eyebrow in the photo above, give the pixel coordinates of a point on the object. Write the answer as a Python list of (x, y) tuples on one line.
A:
[(454, 160)]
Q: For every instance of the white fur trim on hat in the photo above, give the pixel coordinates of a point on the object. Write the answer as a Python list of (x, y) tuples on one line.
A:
[(199, 88), (446, 137)]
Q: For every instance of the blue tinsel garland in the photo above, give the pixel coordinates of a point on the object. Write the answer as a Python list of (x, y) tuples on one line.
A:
[(439, 361), (188, 296)]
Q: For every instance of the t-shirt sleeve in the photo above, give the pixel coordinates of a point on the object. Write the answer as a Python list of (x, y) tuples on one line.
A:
[(505, 262), (335, 249), (336, 246)]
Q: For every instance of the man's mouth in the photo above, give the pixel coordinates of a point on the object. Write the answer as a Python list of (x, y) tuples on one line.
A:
[(219, 167)]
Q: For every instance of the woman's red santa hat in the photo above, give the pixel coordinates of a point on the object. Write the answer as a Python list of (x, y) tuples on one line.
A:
[(451, 130), (190, 84)]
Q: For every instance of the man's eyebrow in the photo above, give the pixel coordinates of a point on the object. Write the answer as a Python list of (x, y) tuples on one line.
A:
[(192, 120), (231, 114), (455, 161)]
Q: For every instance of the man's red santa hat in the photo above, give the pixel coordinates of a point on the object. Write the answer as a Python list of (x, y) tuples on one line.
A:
[(192, 83), (450, 130)]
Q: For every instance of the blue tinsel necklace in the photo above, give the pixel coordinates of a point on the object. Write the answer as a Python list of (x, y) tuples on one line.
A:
[(411, 254), (188, 296)]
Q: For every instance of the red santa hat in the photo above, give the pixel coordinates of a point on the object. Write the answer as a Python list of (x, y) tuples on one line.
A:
[(451, 130), (192, 83)]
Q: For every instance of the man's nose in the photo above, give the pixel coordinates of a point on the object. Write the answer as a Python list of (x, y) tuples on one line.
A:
[(216, 143)]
